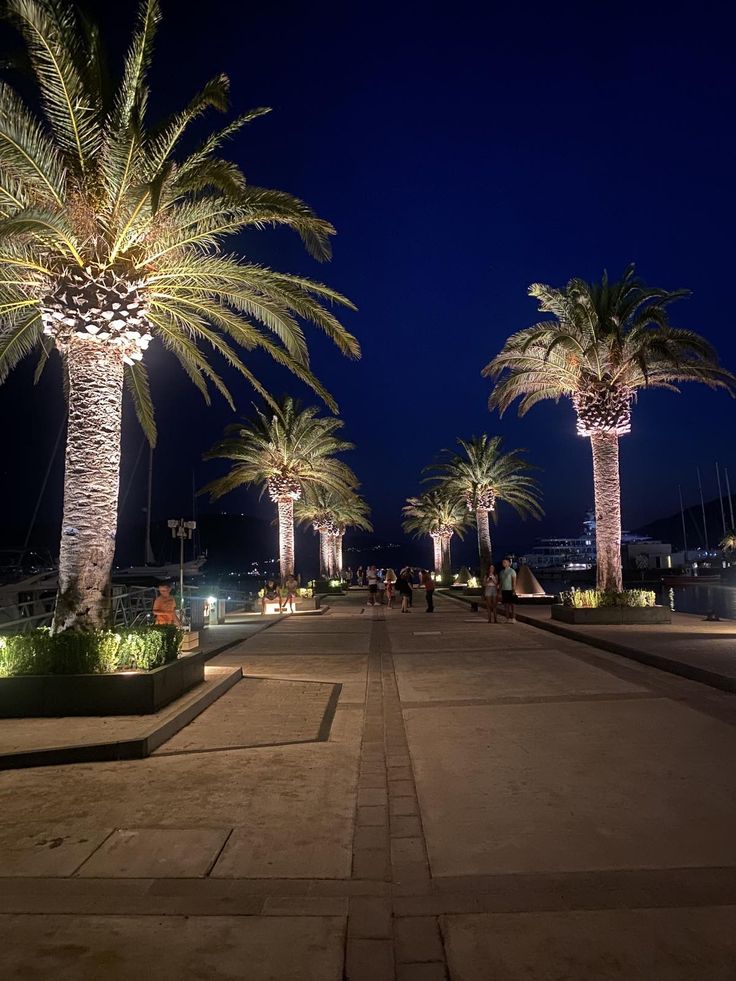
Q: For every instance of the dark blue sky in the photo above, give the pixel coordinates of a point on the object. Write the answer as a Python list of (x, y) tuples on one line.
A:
[(462, 153)]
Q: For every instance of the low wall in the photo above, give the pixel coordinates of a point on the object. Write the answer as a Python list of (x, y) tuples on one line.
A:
[(603, 615), (123, 693)]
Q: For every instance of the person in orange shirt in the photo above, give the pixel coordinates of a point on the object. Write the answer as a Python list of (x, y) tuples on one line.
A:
[(164, 607)]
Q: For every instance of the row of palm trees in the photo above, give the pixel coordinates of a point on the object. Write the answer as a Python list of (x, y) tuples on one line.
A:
[(290, 452), (466, 488)]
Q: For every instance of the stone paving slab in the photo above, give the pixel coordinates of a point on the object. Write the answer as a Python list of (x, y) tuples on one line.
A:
[(348, 670), (281, 642), (261, 712), (137, 853), (172, 948), (53, 850), (509, 672), (611, 945), (577, 785)]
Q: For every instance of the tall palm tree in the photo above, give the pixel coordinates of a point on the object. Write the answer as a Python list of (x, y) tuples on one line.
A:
[(331, 513), (285, 450), (605, 341), (480, 476), (436, 514), (112, 239), (351, 512)]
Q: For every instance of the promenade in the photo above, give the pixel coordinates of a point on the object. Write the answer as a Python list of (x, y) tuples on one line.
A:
[(385, 796)]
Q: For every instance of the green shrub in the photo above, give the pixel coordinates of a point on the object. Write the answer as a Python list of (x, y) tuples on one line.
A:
[(89, 652), (597, 598)]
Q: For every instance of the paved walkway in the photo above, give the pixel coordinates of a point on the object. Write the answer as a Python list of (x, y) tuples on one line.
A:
[(392, 796)]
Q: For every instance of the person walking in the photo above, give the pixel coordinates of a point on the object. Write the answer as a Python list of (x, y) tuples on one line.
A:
[(371, 577), (428, 583), (390, 579), (404, 587), (507, 579), (359, 575), (490, 591)]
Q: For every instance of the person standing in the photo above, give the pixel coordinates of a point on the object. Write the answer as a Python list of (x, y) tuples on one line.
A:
[(164, 607), (390, 579), (428, 583), (404, 587), (359, 575), (291, 585), (490, 590), (507, 579), (371, 577)]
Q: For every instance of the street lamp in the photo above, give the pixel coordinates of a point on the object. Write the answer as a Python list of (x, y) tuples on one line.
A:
[(182, 530)]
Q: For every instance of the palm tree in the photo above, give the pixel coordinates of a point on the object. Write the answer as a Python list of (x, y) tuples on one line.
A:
[(111, 239), (435, 514), (481, 476), (605, 342), (331, 513), (728, 542), (285, 451), (351, 512)]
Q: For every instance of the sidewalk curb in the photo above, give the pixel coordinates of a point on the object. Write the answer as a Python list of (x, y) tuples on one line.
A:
[(126, 749), (690, 671)]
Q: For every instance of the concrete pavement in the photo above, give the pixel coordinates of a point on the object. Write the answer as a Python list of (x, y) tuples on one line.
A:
[(419, 797)]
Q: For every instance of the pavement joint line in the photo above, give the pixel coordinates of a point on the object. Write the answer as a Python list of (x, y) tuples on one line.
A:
[(93, 852), (220, 850)]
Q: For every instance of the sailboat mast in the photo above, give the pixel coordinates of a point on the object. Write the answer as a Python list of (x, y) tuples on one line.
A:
[(720, 497), (682, 515), (702, 507), (148, 550), (730, 500)]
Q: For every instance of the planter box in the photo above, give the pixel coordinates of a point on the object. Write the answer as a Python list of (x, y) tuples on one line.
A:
[(124, 693), (604, 615)]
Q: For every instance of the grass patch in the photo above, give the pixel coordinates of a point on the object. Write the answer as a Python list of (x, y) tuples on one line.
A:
[(594, 599), (88, 652)]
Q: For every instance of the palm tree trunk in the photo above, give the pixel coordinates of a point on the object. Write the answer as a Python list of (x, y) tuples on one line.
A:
[(484, 539), (446, 561), (325, 557), (286, 537), (437, 543), (91, 484), (338, 553), (607, 487)]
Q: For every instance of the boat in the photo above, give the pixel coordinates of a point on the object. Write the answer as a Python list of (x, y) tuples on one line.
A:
[(159, 572)]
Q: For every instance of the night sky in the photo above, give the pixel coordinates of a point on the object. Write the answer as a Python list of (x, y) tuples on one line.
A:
[(462, 154)]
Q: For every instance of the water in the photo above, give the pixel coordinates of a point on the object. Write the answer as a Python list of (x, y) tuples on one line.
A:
[(717, 597)]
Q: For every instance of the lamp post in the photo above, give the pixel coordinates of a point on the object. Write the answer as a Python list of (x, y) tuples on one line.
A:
[(182, 530)]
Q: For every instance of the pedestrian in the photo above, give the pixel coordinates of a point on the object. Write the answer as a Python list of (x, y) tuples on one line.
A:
[(507, 579), (428, 583), (381, 586), (404, 587), (291, 585), (390, 579), (270, 595), (359, 575), (371, 577), (164, 607), (490, 590), (349, 576)]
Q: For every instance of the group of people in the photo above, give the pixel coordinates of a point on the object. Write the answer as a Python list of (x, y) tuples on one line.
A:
[(499, 590), (384, 584), (284, 595)]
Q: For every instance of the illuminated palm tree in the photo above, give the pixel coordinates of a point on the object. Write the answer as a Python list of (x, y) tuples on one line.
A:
[(285, 450), (331, 513), (112, 239), (728, 543), (435, 514), (605, 342), (481, 476)]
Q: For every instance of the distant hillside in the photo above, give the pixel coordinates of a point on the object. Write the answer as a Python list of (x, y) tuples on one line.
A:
[(669, 529)]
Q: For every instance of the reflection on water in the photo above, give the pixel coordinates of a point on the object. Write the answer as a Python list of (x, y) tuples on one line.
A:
[(714, 597)]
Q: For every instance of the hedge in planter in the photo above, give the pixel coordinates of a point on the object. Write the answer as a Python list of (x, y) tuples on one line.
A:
[(40, 652)]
